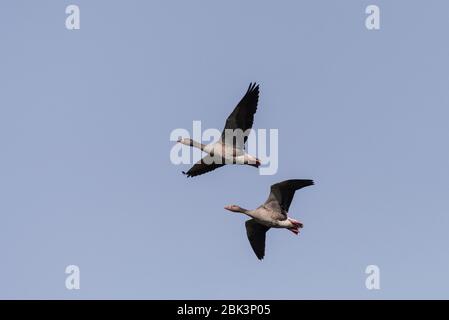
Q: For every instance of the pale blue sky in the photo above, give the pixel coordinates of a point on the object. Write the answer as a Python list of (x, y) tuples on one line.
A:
[(85, 118)]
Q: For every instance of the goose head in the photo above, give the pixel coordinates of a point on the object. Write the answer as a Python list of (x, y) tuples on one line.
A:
[(186, 141), (234, 208)]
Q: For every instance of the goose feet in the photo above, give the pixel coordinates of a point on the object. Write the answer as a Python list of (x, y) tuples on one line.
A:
[(296, 223), (296, 226)]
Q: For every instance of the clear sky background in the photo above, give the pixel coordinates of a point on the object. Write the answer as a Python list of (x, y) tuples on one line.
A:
[(85, 174)]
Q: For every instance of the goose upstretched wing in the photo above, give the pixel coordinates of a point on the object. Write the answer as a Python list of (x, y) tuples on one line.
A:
[(282, 193), (243, 115)]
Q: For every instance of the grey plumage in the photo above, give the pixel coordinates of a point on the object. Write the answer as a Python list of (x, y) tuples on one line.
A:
[(273, 213), (242, 117)]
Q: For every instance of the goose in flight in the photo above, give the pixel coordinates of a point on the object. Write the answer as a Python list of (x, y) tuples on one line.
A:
[(272, 214), (229, 149)]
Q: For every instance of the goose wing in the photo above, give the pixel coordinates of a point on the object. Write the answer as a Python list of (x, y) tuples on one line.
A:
[(256, 233), (282, 193), (243, 115), (205, 165)]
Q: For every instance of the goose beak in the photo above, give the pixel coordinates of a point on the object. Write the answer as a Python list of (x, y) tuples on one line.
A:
[(179, 140), (228, 208)]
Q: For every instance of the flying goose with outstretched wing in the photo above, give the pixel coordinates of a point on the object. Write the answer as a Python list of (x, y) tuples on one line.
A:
[(229, 149), (272, 214)]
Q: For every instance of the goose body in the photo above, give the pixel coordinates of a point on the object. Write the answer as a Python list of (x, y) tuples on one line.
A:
[(272, 214), (226, 150), (228, 154)]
